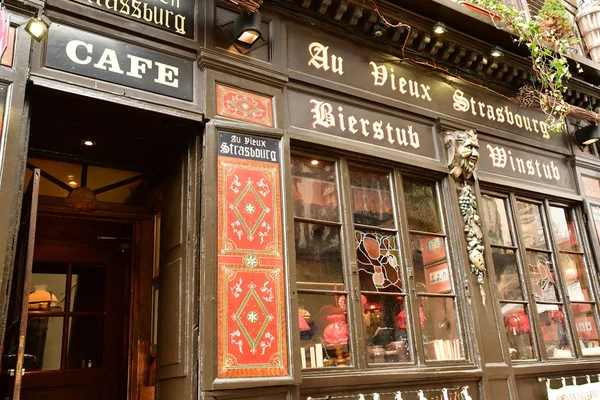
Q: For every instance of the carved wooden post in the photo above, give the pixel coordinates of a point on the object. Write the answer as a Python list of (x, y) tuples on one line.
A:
[(463, 154)]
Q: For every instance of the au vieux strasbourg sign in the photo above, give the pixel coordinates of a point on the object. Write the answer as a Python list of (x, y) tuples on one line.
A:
[(175, 16), (362, 70), (94, 56)]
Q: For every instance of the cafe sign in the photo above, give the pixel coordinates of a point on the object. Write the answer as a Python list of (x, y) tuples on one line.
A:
[(98, 57), (176, 16)]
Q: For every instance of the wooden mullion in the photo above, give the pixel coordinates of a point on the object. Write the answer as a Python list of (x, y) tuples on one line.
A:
[(422, 233), (65, 338), (317, 221)]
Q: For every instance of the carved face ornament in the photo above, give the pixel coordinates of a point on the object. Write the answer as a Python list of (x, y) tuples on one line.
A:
[(468, 153)]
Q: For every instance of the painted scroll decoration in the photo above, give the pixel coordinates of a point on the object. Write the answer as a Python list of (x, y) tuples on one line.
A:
[(252, 314), (463, 154)]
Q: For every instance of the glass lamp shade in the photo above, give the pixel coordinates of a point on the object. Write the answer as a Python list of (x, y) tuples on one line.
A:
[(302, 322), (337, 330)]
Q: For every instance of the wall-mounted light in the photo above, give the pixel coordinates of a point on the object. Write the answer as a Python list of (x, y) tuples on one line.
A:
[(496, 52), (587, 135), (246, 28), (38, 26), (379, 29), (439, 28), (71, 181)]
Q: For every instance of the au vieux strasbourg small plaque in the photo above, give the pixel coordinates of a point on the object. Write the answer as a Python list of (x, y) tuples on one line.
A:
[(94, 56), (176, 16)]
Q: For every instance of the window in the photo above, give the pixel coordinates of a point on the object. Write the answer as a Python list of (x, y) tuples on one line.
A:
[(65, 327), (355, 267), (542, 279)]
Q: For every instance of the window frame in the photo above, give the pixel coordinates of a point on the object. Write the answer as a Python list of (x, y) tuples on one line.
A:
[(397, 172), (574, 211)]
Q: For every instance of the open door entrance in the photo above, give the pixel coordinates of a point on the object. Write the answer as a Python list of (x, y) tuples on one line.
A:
[(13, 359)]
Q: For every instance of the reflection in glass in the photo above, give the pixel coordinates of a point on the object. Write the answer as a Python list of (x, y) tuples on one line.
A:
[(44, 341), (432, 274), (323, 330), (494, 213), (318, 256), (554, 331), (86, 342), (87, 288), (314, 189), (596, 217), (422, 209), (586, 328), (377, 255), (563, 229), (531, 225), (507, 274), (371, 198), (543, 279), (518, 331), (441, 338), (386, 332), (49, 284), (574, 275)]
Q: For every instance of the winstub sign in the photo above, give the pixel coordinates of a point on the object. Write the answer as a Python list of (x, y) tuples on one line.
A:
[(370, 72)]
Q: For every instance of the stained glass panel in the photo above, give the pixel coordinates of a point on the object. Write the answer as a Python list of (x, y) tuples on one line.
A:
[(377, 255)]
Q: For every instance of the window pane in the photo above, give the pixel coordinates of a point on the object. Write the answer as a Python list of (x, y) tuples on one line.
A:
[(87, 288), (44, 341), (552, 322), (575, 277), (518, 331), (591, 187), (422, 207), (49, 284), (507, 274), (587, 329), (596, 217), (323, 330), (371, 198), (314, 189), (431, 270), (543, 278), (377, 255), (318, 256), (531, 225), (86, 342), (494, 213), (563, 229), (386, 334), (441, 337)]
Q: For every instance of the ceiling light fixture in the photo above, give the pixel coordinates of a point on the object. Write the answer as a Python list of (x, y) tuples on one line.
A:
[(314, 162), (587, 135), (496, 52), (246, 28), (88, 143), (439, 28), (71, 181), (38, 26), (379, 29)]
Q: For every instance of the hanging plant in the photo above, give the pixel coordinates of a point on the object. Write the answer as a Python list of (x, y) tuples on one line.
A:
[(549, 37)]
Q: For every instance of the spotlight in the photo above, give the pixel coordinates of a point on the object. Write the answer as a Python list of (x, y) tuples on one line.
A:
[(439, 28), (38, 26), (379, 29), (587, 135), (88, 142), (314, 162), (496, 52), (246, 28)]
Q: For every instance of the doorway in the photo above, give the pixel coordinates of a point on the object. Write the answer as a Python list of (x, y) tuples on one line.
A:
[(77, 329), (108, 174)]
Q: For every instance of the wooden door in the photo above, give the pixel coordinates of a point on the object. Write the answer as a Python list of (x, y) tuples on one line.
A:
[(77, 322)]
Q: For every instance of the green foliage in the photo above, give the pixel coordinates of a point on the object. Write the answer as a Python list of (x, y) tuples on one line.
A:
[(548, 60), (554, 8)]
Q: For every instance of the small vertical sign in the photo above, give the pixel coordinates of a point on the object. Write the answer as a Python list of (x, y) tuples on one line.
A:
[(252, 314)]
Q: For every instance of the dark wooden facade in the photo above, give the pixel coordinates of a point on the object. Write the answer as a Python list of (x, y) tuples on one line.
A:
[(278, 71)]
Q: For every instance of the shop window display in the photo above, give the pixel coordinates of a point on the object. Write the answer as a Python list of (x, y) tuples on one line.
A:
[(537, 255), (357, 251)]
